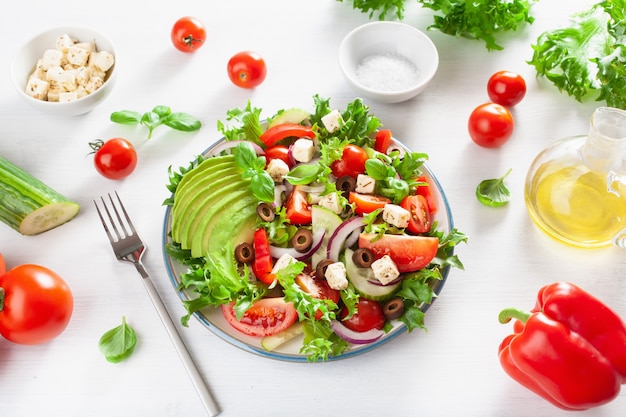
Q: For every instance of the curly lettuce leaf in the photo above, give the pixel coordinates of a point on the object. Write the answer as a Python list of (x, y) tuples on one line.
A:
[(380, 7), (588, 57)]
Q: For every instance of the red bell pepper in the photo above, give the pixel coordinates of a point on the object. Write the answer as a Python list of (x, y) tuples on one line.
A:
[(570, 349), (262, 264), (282, 131)]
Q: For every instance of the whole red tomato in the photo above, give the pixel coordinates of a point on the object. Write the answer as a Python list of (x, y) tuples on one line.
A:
[(247, 69), (36, 304), (352, 162), (114, 159), (506, 88), (490, 125), (188, 34)]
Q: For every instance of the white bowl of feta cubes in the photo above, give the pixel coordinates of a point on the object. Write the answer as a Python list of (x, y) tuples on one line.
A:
[(65, 71), (388, 62)]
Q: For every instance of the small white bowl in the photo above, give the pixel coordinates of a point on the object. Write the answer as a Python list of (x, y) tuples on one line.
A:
[(388, 62), (24, 63)]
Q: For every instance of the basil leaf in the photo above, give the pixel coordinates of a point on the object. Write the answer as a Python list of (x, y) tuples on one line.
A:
[(378, 170), (183, 122), (263, 186), (118, 343), (303, 174), (162, 111), (245, 156), (493, 192), (126, 117)]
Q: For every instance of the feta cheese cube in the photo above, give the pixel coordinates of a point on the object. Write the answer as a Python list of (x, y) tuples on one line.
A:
[(51, 58), (37, 88), (77, 56), (88, 46), (336, 276), (82, 74), (365, 184), (53, 74), (385, 270), (331, 202), (64, 42), (396, 215), (93, 84), (277, 169), (332, 121), (283, 262), (102, 60), (303, 150), (53, 94), (67, 96)]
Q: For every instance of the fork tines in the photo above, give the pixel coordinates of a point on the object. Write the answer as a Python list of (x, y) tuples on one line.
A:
[(121, 232)]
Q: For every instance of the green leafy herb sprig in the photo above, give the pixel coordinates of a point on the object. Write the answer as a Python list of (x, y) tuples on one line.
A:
[(493, 192), (159, 115), (118, 343), (254, 168)]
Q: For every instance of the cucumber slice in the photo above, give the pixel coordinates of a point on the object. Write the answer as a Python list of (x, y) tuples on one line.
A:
[(270, 343), (294, 115), (361, 277), (323, 219), (28, 205)]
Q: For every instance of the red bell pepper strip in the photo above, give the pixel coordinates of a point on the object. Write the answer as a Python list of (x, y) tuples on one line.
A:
[(262, 264), (382, 140), (282, 131), (570, 350)]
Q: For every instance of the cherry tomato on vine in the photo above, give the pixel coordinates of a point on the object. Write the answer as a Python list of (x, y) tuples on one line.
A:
[(506, 88), (247, 69), (114, 159), (188, 34), (490, 125), (36, 304)]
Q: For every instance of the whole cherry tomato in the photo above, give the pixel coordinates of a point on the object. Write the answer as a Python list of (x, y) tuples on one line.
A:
[(506, 88), (188, 34), (278, 152), (352, 162), (247, 69), (114, 159), (36, 304), (369, 316), (490, 125)]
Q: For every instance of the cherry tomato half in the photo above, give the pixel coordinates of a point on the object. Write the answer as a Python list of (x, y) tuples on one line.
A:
[(278, 152), (420, 214), (506, 88), (266, 317), (247, 69), (490, 125), (369, 316), (114, 159), (37, 304), (188, 34), (352, 162)]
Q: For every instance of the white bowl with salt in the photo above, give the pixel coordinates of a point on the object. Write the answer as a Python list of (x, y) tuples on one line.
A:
[(388, 62)]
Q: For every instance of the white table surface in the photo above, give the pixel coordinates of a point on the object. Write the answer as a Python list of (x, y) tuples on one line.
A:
[(452, 370)]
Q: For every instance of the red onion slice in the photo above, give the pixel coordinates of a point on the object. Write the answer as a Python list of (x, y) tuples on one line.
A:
[(318, 237), (358, 338), (340, 235)]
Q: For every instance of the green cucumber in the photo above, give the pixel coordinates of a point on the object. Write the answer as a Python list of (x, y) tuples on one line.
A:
[(28, 205), (323, 219), (360, 277), (270, 343)]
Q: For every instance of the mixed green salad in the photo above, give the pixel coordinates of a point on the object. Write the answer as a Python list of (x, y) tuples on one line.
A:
[(315, 223)]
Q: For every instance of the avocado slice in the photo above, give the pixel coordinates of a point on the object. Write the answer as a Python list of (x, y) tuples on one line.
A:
[(192, 205), (234, 225), (206, 167)]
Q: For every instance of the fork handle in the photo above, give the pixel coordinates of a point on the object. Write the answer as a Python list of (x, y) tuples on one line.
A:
[(200, 385)]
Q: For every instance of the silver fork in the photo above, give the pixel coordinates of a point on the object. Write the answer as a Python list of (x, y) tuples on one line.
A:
[(128, 247)]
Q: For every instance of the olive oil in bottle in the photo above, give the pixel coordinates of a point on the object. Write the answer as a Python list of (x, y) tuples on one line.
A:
[(574, 191)]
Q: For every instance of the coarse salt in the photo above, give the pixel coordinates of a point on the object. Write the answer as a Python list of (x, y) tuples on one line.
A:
[(387, 71)]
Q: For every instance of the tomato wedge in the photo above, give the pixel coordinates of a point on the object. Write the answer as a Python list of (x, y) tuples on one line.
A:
[(409, 252), (382, 140), (366, 203), (298, 209), (427, 192), (3, 265), (266, 317), (420, 216), (282, 131), (262, 264), (317, 287)]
